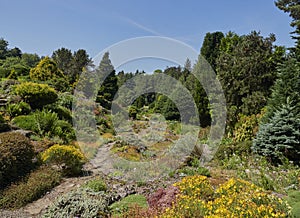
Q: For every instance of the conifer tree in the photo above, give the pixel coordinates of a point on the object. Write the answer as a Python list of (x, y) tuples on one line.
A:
[(281, 135), (109, 87)]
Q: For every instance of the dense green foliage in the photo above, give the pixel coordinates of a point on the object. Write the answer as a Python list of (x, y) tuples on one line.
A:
[(17, 109), (210, 48), (35, 94), (71, 64), (246, 72), (3, 124), (46, 124), (16, 154), (109, 88), (280, 136), (96, 185), (286, 86)]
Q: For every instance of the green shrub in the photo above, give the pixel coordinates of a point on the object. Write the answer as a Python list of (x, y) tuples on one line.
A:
[(16, 154), (37, 184), (68, 158), (26, 122), (133, 111), (229, 147), (37, 95), (62, 112), (66, 100), (21, 108), (96, 185), (79, 203), (46, 124), (4, 72), (64, 130), (3, 124), (128, 202), (17, 71)]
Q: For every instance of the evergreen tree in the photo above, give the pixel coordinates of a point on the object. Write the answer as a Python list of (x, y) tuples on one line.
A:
[(63, 58), (109, 87), (46, 70), (246, 69), (210, 48), (293, 8), (286, 86), (280, 136)]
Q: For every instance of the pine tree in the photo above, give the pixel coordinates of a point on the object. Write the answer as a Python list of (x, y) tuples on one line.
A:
[(292, 7), (210, 49), (280, 136), (109, 87), (286, 86)]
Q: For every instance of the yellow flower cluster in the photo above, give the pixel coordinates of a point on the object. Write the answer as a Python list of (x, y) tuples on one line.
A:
[(235, 198), (62, 153)]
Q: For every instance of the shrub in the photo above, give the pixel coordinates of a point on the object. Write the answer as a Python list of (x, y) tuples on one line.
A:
[(246, 127), (133, 111), (26, 122), (46, 124), (96, 185), (126, 203), (62, 112), (4, 72), (3, 125), (16, 154), (234, 198), (68, 158), (38, 183), (37, 95), (45, 70), (66, 100), (21, 108), (228, 148), (79, 203)]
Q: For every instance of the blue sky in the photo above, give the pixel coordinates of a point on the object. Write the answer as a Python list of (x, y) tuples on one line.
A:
[(42, 26)]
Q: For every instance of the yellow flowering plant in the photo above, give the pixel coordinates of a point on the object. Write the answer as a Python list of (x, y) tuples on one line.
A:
[(234, 198), (67, 157)]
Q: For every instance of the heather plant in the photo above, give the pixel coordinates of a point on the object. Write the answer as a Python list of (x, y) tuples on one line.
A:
[(16, 154), (37, 183)]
